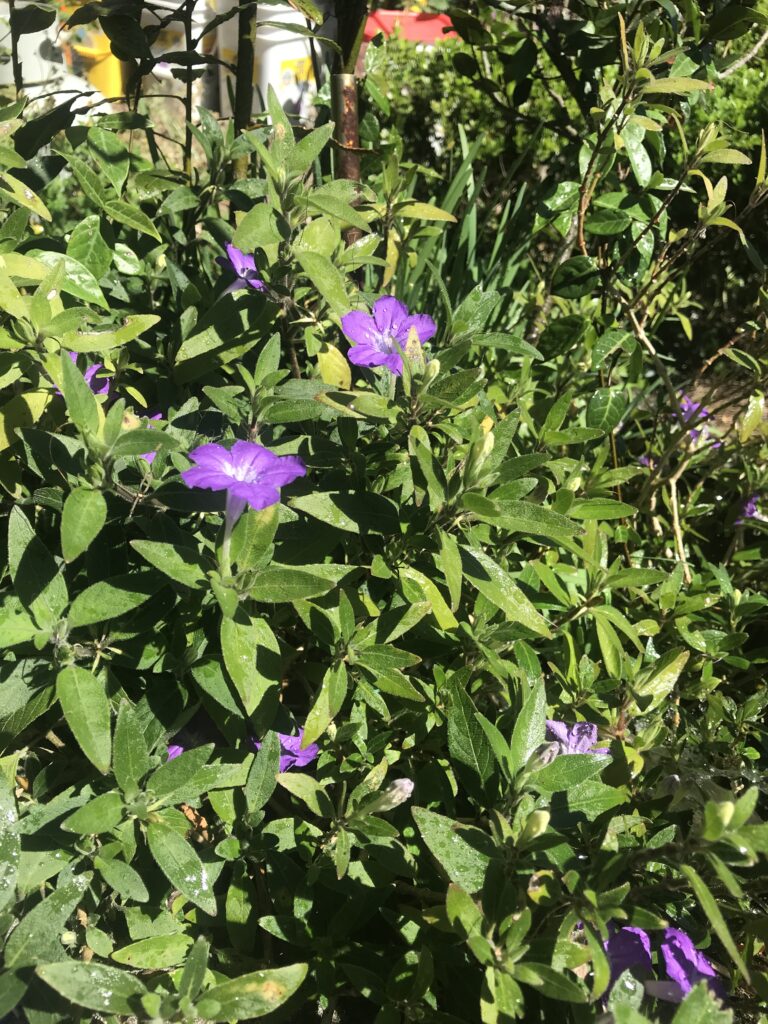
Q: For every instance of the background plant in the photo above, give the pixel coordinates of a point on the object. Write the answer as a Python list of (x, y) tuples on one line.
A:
[(548, 515)]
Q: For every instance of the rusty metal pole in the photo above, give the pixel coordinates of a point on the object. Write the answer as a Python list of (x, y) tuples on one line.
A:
[(352, 16)]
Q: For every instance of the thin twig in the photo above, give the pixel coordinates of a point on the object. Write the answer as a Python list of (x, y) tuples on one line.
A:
[(746, 57), (676, 528)]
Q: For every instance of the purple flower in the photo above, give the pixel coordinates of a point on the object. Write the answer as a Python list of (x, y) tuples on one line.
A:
[(174, 750), (149, 457), (646, 460), (749, 510), (377, 337), (693, 415), (243, 267), (293, 756), (628, 949), (579, 738), (685, 965), (251, 475)]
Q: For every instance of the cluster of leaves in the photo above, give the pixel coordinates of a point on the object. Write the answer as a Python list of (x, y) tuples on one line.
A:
[(525, 525)]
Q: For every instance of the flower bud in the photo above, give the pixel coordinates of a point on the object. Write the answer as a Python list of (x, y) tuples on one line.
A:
[(431, 372), (478, 456), (536, 825), (395, 794)]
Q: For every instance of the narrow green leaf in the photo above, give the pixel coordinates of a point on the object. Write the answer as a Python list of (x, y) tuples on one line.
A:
[(181, 865), (83, 516), (95, 986), (252, 995), (710, 907), (86, 708)]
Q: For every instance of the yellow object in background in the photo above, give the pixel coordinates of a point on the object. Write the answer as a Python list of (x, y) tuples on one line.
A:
[(102, 69)]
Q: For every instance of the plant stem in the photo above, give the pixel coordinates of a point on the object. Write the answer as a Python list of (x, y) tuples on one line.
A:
[(18, 77), (243, 111)]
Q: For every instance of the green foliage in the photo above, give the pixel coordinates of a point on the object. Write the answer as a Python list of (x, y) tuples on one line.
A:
[(531, 524)]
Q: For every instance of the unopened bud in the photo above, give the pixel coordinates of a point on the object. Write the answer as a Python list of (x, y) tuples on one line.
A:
[(542, 756), (395, 794), (536, 825), (478, 456), (431, 371), (724, 810)]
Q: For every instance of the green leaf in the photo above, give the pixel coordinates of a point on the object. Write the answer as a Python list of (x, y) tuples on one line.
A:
[(632, 135), (130, 756), (174, 776), (308, 149), (500, 589), (110, 154), (525, 517), (308, 790), (132, 216), (462, 852), (10, 846), (726, 156), (610, 645), (87, 246), (607, 344), (102, 341), (700, 1007), (605, 409), (280, 583), (677, 86), (262, 777), (181, 865), (83, 516), (182, 564), (252, 995), (568, 770), (193, 975), (353, 513), (95, 986), (259, 229), (328, 703), (710, 907), (553, 984), (652, 689), (423, 211), (252, 657), (530, 727), (124, 879), (575, 278), (607, 221), (338, 210), (39, 583), (86, 708), (99, 815), (77, 280), (328, 281), (110, 599), (155, 953), (600, 508), (467, 743), (81, 404), (36, 939)]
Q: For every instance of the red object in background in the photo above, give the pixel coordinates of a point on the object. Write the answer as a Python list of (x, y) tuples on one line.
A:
[(414, 26)]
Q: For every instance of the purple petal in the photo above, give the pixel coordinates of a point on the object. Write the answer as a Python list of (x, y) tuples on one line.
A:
[(426, 327), (389, 314), (366, 355), (628, 949), (287, 469), (684, 964), (174, 749), (292, 756), (240, 262), (257, 495), (211, 456), (360, 328), (209, 479)]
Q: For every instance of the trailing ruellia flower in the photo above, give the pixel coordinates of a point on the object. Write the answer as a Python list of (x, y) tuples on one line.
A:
[(379, 338), (243, 266)]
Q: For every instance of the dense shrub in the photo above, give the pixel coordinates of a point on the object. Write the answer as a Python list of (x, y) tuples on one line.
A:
[(383, 616)]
